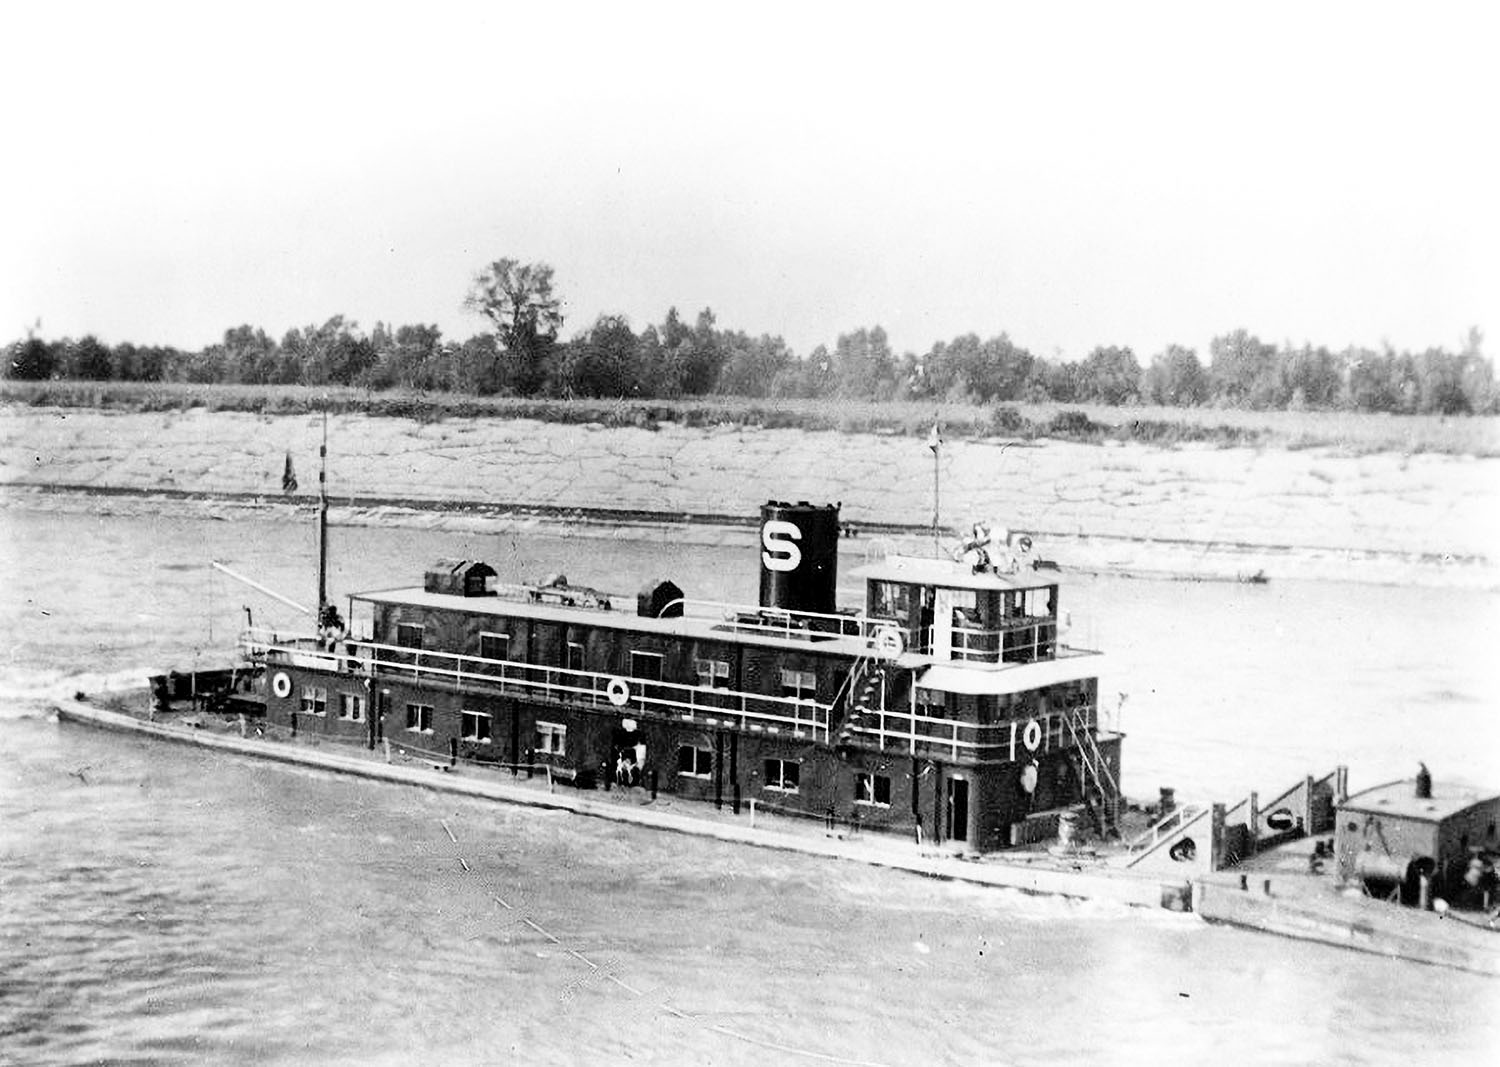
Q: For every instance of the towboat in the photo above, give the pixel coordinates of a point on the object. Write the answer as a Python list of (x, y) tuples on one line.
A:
[(948, 705)]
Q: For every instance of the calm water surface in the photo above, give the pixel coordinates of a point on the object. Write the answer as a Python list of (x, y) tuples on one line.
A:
[(163, 904)]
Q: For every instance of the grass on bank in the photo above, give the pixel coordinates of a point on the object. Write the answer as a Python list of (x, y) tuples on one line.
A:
[(1086, 423)]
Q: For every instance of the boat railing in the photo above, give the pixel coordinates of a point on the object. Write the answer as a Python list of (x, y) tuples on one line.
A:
[(786, 622), (713, 705), (1023, 640), (921, 734), (1169, 824)]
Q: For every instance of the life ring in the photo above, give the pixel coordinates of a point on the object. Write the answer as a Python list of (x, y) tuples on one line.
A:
[(1184, 851), (1032, 736), (1028, 778), (888, 642), (1281, 820), (281, 684), (618, 692)]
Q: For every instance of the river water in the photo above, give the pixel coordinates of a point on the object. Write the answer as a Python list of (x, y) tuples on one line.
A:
[(162, 904)]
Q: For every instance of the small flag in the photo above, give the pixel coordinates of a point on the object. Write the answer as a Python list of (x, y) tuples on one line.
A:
[(288, 477), (934, 439)]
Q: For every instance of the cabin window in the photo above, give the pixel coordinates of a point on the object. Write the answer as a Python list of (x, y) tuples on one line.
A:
[(711, 672), (693, 762), (1035, 603), (890, 600), (782, 775), (494, 646), (352, 707), (872, 789), (932, 703), (574, 656), (1054, 731), (475, 726), (646, 665), (965, 608), (799, 685), (314, 700), (551, 738), (361, 620), (409, 635), (419, 718)]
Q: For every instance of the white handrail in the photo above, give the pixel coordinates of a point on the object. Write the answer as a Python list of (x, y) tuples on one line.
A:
[(779, 712), (731, 612)]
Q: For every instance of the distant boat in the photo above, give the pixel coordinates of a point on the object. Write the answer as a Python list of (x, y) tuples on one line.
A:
[(1258, 578)]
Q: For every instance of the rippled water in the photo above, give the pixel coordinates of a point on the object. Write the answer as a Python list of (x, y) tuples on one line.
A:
[(162, 904)]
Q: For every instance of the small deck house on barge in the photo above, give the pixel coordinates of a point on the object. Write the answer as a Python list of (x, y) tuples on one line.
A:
[(945, 706)]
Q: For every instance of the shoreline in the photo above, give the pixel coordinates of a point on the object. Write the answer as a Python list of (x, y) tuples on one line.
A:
[(1100, 554)]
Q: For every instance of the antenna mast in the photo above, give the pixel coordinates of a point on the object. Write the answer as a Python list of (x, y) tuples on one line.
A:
[(935, 442), (323, 521)]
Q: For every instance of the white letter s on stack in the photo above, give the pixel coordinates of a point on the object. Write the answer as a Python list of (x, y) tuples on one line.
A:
[(778, 538)]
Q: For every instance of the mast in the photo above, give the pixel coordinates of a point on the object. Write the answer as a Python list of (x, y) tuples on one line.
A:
[(935, 442), (323, 522)]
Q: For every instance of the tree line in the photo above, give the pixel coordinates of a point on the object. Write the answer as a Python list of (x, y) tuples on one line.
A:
[(524, 355)]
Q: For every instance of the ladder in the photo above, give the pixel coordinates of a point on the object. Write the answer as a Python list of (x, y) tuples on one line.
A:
[(1097, 776), (866, 686)]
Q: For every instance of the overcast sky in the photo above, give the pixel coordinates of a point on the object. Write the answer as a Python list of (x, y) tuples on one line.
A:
[(1073, 175)]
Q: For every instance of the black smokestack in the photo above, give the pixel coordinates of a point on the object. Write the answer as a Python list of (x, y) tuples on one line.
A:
[(799, 556)]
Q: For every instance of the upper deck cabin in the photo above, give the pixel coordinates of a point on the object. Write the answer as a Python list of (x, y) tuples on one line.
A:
[(951, 611)]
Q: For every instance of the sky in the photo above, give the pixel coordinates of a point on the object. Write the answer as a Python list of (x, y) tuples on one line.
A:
[(1070, 174)]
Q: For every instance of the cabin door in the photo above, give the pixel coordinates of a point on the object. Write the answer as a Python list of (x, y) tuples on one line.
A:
[(942, 624), (958, 809)]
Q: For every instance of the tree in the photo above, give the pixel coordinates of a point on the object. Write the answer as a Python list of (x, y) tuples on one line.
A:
[(90, 360), (1310, 377), (248, 355), (518, 299), (409, 358), (333, 352), (476, 364), (753, 366), (600, 362), (994, 369), (1367, 381), (863, 363), (31, 360), (1176, 377), (1245, 371), (1110, 375)]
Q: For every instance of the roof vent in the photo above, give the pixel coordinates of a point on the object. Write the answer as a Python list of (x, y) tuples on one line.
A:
[(1424, 782), (460, 577)]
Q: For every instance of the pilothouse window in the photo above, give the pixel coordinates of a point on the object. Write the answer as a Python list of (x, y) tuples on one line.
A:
[(890, 600), (932, 702)]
